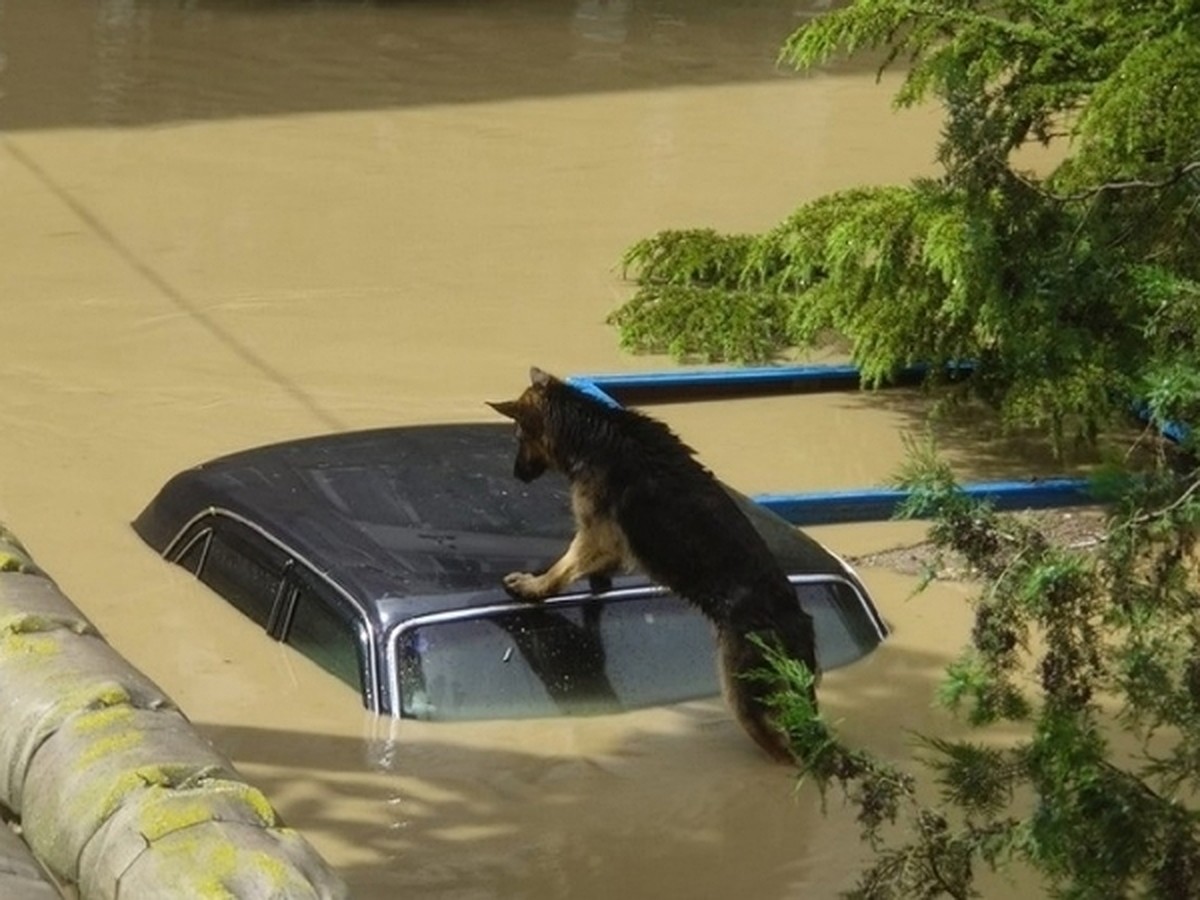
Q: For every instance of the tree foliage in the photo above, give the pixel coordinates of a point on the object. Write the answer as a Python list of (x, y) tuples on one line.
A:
[(1093, 657), (1073, 291), (1070, 290)]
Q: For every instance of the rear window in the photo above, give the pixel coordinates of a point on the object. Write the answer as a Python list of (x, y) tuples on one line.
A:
[(595, 657), (598, 655)]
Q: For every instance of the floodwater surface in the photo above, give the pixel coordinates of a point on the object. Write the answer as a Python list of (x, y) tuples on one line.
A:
[(233, 222)]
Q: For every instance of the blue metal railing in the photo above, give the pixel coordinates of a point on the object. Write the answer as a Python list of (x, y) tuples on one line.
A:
[(712, 384), (879, 504), (820, 507)]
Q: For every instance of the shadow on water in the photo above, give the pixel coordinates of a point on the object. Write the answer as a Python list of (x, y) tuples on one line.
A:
[(974, 440), (689, 810), (139, 62)]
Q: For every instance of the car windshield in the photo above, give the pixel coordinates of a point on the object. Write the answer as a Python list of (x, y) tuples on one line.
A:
[(585, 656), (580, 659)]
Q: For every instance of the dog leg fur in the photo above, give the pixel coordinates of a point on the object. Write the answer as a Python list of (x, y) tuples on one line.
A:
[(740, 661), (595, 553), (597, 550)]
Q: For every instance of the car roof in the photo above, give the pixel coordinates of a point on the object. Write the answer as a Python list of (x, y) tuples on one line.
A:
[(409, 520)]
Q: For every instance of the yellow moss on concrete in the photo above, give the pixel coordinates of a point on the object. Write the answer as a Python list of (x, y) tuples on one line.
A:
[(119, 715), (225, 863), (14, 562), (161, 819), (13, 556), (106, 796), (167, 811), (27, 623), (103, 798), (110, 745), (276, 873), (70, 692), (35, 644), (76, 697), (93, 696), (257, 800), (220, 863), (21, 622), (212, 866)]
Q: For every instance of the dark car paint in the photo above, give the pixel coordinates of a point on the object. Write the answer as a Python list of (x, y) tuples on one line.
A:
[(407, 524)]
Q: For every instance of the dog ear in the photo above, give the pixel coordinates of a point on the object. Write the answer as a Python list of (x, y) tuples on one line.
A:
[(538, 378), (509, 408)]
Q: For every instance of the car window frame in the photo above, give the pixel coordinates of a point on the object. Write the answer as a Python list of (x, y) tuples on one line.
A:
[(249, 555), (298, 579), (202, 527)]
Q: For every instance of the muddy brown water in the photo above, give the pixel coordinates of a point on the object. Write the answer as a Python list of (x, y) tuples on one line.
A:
[(229, 223)]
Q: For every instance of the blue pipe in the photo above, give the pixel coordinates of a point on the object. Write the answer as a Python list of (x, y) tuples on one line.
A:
[(701, 384), (880, 504), (821, 507), (712, 384), (590, 387)]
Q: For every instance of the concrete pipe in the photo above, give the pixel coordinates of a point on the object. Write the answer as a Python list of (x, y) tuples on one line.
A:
[(115, 790)]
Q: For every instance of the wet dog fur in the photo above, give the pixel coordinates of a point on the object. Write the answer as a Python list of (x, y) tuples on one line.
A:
[(641, 500)]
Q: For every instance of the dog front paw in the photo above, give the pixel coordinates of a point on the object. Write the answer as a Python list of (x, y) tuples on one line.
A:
[(524, 586)]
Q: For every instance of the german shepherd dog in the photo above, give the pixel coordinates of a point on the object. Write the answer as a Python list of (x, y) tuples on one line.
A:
[(640, 499)]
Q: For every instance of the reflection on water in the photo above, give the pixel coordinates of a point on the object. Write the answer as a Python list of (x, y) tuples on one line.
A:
[(127, 62), (232, 223), (647, 804)]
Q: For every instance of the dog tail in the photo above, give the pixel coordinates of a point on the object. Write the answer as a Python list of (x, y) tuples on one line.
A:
[(748, 683)]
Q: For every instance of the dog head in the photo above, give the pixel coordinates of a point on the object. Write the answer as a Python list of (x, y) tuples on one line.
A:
[(534, 447)]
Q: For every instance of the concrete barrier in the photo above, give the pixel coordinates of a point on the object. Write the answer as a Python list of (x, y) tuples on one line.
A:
[(21, 878), (116, 792)]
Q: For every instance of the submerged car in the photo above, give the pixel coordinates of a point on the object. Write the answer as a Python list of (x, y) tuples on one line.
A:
[(379, 555)]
